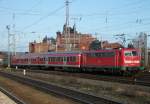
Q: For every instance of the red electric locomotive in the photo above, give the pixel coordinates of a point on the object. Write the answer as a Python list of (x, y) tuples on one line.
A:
[(112, 60), (117, 60)]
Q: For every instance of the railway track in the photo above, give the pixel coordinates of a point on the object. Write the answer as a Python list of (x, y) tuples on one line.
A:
[(13, 97), (77, 96), (143, 80)]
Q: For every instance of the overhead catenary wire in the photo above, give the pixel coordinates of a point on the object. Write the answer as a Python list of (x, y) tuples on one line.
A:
[(35, 5), (44, 17), (56, 15), (115, 9)]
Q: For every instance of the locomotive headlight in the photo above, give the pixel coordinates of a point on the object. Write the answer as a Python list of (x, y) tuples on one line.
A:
[(128, 61), (137, 61)]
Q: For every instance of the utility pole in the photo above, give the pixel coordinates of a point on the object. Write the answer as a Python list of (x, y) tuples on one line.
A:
[(8, 29), (145, 50), (11, 41), (123, 38), (13, 36), (101, 43)]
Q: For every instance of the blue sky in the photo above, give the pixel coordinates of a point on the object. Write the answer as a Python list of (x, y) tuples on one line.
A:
[(45, 17)]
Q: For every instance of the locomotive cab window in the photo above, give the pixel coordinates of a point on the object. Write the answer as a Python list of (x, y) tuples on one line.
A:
[(131, 53), (134, 53)]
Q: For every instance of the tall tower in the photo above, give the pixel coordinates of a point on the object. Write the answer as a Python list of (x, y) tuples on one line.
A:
[(67, 30)]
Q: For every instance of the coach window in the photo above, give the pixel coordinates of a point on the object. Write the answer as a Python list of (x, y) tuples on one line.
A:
[(54, 58), (68, 59), (44, 59), (88, 54), (51, 59), (74, 59), (93, 54), (65, 59), (61, 59), (98, 54), (48, 59), (58, 59)]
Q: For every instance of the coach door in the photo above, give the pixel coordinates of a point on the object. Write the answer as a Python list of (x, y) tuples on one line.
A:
[(65, 60), (46, 60)]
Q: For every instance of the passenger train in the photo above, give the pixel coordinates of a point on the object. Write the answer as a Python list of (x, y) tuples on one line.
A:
[(116, 60)]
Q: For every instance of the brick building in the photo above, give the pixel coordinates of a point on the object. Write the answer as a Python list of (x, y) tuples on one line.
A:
[(106, 44), (45, 46), (73, 41), (68, 41)]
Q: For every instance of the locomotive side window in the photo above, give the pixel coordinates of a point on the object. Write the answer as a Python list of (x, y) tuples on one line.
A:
[(104, 54), (130, 53), (127, 53), (111, 54), (101, 54)]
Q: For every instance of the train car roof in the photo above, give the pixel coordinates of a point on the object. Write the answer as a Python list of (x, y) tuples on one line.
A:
[(72, 52)]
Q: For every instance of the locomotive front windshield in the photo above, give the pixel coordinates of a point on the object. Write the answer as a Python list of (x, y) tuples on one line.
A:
[(131, 53)]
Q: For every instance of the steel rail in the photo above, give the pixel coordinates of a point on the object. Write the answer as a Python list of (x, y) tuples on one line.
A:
[(11, 96), (75, 95), (134, 81)]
